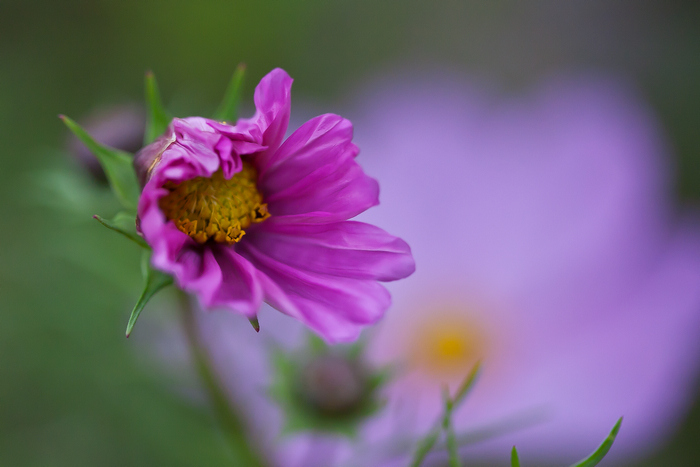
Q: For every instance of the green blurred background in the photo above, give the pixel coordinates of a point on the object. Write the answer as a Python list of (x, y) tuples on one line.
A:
[(73, 390)]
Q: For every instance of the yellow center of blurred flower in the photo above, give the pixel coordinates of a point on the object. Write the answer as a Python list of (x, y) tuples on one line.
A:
[(215, 208), (447, 346)]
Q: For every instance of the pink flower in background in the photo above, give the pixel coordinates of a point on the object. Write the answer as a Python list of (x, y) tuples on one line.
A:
[(548, 248), (238, 216)]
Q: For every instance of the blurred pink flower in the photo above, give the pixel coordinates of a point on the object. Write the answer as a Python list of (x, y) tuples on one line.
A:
[(238, 216), (548, 247)]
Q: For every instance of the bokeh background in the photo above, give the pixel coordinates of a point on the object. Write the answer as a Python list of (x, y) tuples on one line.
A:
[(73, 391)]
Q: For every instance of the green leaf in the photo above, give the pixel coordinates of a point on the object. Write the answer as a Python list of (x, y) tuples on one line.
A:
[(467, 384), (424, 446), (228, 110), (452, 451), (154, 282), (602, 450), (514, 461), (125, 224), (116, 164), (255, 323), (158, 118)]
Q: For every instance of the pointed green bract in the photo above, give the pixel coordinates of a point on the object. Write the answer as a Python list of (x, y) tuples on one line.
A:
[(514, 460), (228, 110), (154, 281), (255, 323), (158, 118), (116, 164), (602, 450), (125, 224)]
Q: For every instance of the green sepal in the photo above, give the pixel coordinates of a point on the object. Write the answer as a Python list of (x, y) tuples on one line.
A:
[(154, 281), (125, 224), (602, 450), (228, 110), (514, 460), (116, 164), (316, 345), (157, 119)]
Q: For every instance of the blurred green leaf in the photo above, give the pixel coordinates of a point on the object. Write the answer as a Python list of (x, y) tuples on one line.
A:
[(154, 282), (425, 445), (228, 110), (125, 224), (158, 119), (116, 164), (467, 384), (453, 454), (602, 450), (514, 460), (444, 422)]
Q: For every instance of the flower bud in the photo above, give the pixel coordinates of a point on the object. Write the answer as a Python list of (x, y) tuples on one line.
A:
[(333, 384)]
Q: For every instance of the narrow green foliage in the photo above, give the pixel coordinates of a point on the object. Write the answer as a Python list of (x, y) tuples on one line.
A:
[(514, 461), (449, 429), (602, 450), (444, 423), (154, 281), (158, 119), (228, 110), (425, 445), (467, 384), (116, 164), (125, 224), (254, 322)]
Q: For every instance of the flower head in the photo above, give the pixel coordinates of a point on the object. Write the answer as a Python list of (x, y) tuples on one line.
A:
[(552, 256), (238, 216)]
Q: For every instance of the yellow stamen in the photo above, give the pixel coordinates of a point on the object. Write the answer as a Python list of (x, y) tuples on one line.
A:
[(448, 346), (215, 208)]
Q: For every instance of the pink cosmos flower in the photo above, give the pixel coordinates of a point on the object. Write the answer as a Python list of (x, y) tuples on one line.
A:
[(548, 248), (238, 216), (550, 251)]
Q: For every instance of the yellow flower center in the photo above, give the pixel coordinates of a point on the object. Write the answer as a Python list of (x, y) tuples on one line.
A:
[(215, 208), (447, 347)]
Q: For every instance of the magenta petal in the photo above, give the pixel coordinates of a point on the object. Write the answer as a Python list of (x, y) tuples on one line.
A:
[(219, 277), (315, 171), (345, 249), (240, 288), (273, 99), (335, 307)]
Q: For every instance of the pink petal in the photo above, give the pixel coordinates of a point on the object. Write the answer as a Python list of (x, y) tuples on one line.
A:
[(315, 171), (219, 277), (346, 249), (335, 307), (273, 101)]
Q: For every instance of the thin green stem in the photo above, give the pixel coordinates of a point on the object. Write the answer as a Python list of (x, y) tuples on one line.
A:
[(229, 419)]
